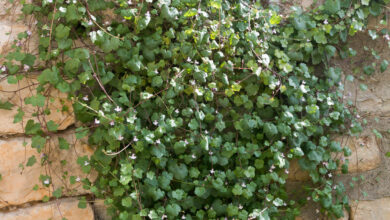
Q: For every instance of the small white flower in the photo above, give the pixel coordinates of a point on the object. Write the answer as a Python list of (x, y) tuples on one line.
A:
[(185, 142), (109, 28), (62, 9), (192, 82), (86, 163), (189, 59), (177, 111), (74, 1), (329, 175), (26, 67), (155, 122), (243, 185), (183, 217), (49, 1), (90, 23), (387, 37), (210, 153), (135, 139), (164, 216), (85, 98), (206, 132), (118, 109), (46, 182), (97, 121), (112, 123), (286, 171), (78, 179), (272, 167), (133, 157), (120, 137), (326, 21), (335, 187), (129, 2), (43, 155), (317, 211), (158, 141), (29, 33), (193, 156), (308, 198), (212, 171)]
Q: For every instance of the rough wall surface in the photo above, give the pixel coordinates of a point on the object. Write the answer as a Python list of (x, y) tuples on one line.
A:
[(18, 199)]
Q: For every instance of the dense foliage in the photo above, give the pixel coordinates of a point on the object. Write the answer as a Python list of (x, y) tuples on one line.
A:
[(197, 107)]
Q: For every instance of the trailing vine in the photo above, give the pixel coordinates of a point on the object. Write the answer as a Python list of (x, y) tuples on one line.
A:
[(195, 108)]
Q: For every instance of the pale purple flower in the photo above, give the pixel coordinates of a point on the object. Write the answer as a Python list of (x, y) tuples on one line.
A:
[(90, 23), (326, 21), (212, 171), (164, 216), (78, 179), (387, 37), (177, 111), (46, 182), (85, 98), (210, 153), (112, 123), (120, 137), (183, 217), (133, 157), (97, 121), (158, 141), (3, 68), (135, 139), (286, 171), (49, 1), (185, 142), (155, 122), (118, 109), (29, 33), (129, 2)]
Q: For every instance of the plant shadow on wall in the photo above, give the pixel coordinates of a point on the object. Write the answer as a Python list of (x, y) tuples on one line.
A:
[(196, 109)]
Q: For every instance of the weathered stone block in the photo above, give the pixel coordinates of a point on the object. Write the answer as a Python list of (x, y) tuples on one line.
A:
[(55, 210), (366, 154), (376, 209), (16, 186), (16, 93)]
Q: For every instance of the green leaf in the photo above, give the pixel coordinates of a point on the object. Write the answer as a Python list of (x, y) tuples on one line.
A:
[(191, 12), (82, 203), (384, 65), (6, 105), (61, 32), (31, 161), (127, 202), (57, 193), (63, 144), (52, 126), (365, 2), (200, 191), (37, 100)]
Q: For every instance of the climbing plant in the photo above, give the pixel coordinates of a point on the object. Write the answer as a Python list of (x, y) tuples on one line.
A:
[(196, 108)]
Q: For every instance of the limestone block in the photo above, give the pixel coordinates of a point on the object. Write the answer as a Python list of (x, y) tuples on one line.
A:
[(55, 210), (100, 210), (378, 209), (16, 93), (16, 186), (366, 154)]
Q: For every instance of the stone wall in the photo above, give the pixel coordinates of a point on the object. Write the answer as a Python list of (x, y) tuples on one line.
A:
[(21, 192)]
